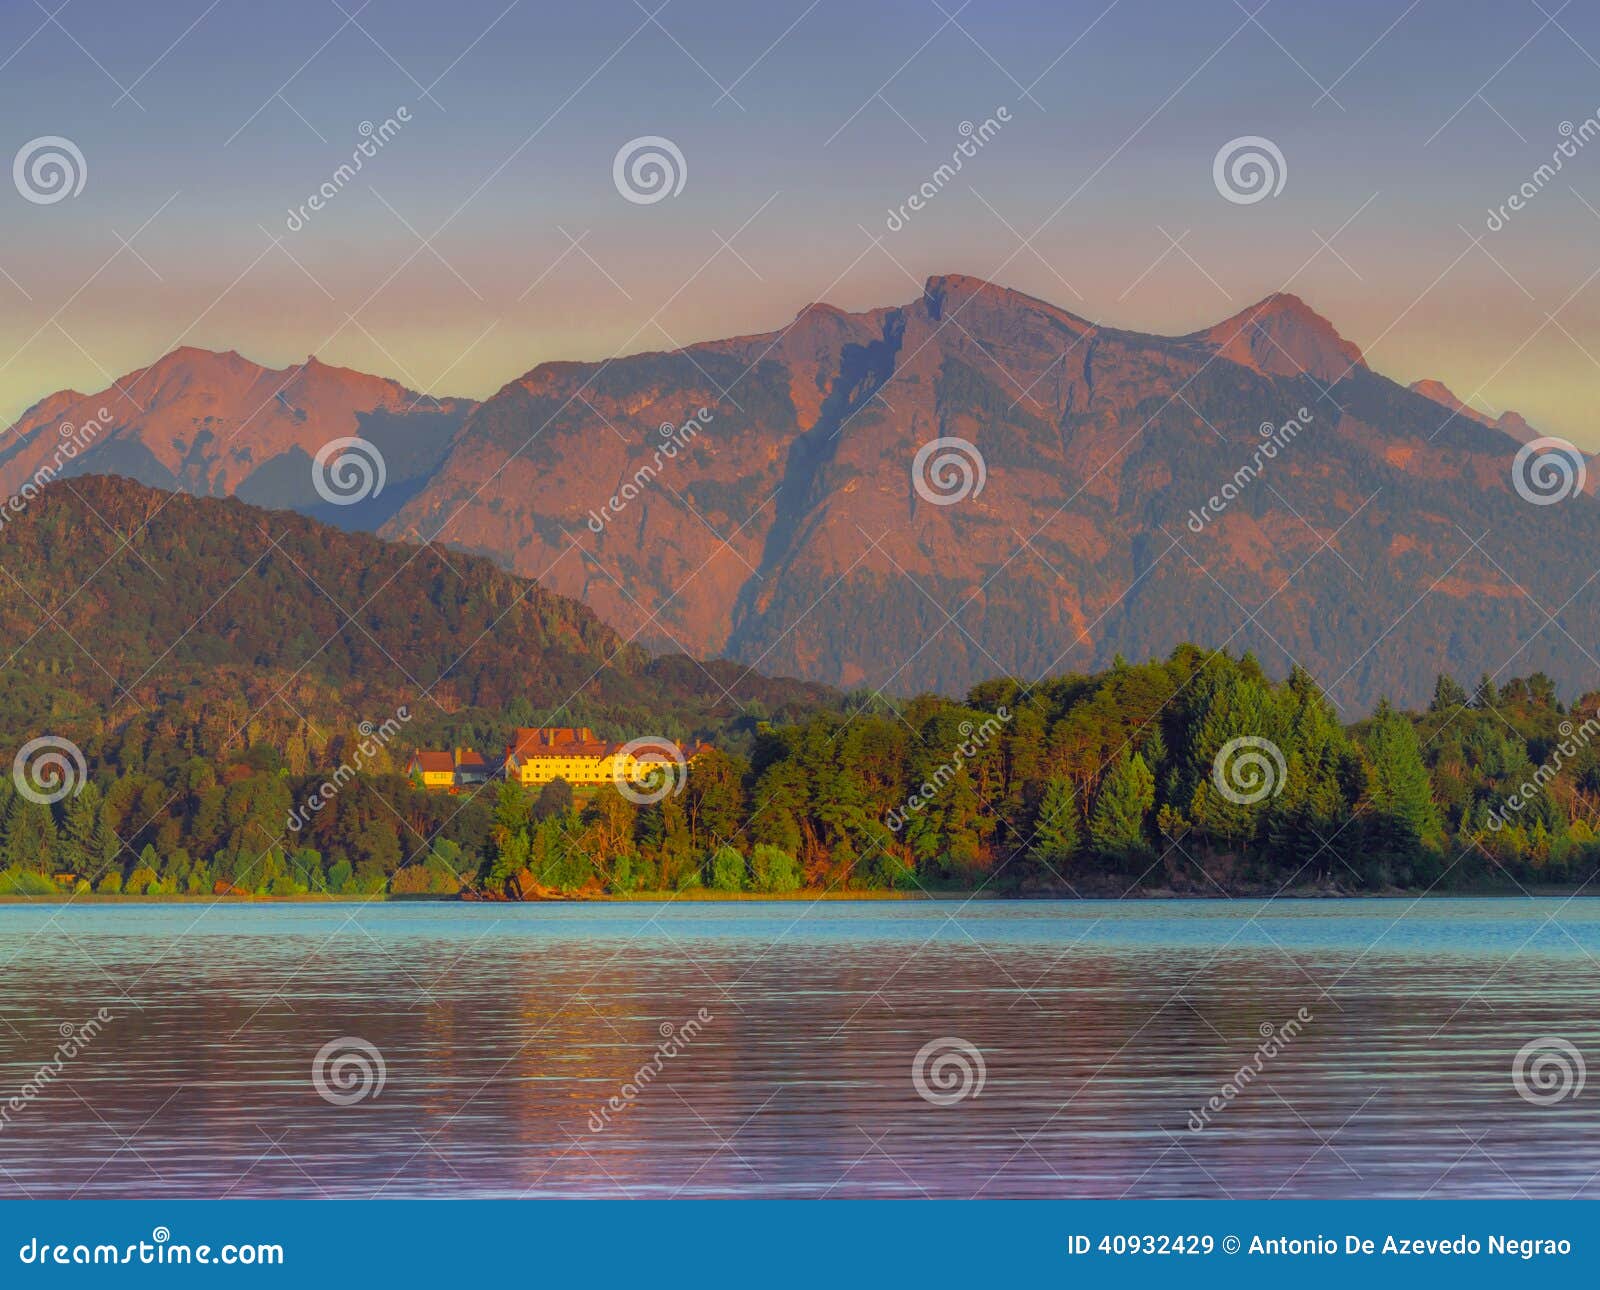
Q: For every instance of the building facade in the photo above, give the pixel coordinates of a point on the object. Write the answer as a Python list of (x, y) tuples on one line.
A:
[(537, 755), (448, 770)]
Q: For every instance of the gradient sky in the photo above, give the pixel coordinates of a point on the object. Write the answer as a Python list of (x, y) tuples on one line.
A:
[(204, 123)]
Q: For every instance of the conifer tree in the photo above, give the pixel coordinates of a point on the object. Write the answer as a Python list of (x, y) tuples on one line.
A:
[(1448, 696), (1404, 816), (1056, 835), (1486, 695), (30, 837), (1127, 796)]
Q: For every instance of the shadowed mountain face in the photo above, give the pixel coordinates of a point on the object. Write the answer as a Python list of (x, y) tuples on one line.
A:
[(1378, 541), (219, 425), (146, 613), (758, 497)]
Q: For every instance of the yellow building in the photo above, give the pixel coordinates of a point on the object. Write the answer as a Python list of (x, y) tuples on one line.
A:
[(449, 769), (538, 754), (435, 769)]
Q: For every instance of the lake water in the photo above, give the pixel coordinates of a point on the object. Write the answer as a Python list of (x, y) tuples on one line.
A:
[(1102, 1029)]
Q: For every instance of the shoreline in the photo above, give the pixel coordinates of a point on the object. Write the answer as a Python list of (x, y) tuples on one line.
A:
[(707, 897)]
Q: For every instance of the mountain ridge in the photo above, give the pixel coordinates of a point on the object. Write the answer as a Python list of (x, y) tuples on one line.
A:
[(788, 516)]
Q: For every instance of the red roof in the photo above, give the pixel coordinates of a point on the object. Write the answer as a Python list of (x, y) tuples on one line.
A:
[(431, 761), (556, 741), (594, 748)]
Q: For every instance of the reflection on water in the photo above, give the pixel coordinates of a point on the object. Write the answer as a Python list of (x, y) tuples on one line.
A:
[(506, 1031)]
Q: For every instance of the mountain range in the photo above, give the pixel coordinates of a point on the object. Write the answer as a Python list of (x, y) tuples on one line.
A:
[(1382, 539)]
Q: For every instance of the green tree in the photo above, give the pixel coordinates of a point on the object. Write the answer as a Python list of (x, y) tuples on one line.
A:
[(555, 798), (30, 837), (1234, 707), (727, 869), (773, 869), (1486, 696), (1404, 817), (1448, 696), (1056, 836), (714, 799), (1126, 798)]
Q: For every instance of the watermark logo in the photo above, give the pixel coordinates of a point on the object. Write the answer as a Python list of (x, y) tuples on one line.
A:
[(973, 740), (1571, 742), (973, 138), (373, 740), (348, 470), (74, 1039), (1248, 770), (1548, 1070), (48, 769), (1548, 470), (1274, 439), (49, 169), (373, 137), (674, 439), (948, 470), (649, 169), (674, 1039), (1249, 169), (348, 1070), (648, 769), (1274, 1039), (948, 1070), (1572, 139), (73, 440)]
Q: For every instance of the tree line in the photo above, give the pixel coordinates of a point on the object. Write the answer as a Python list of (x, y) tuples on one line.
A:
[(1196, 773)]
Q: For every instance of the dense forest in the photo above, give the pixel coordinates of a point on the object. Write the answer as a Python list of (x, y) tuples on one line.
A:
[(244, 687), (1195, 774), (151, 628)]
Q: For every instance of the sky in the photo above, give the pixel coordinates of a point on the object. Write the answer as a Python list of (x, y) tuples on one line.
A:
[(488, 233)]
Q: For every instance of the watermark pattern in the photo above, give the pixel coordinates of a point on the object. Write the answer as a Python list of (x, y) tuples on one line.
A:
[(373, 138), (159, 1250), (1572, 740), (49, 169), (1274, 439), (1572, 139), (948, 1070), (74, 440), (49, 768), (348, 470), (973, 741), (374, 739), (973, 139), (348, 1070), (1548, 1070), (1249, 169), (648, 769), (674, 439), (74, 1039), (948, 470), (674, 1039), (1548, 470), (649, 169), (1248, 770), (1274, 1039)]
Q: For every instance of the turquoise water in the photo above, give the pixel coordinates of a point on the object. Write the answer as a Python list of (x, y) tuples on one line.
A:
[(746, 1049)]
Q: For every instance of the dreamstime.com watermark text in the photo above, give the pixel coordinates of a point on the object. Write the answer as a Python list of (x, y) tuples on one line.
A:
[(674, 1039), (74, 1039), (74, 440), (374, 739), (1274, 1039), (160, 1250)]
